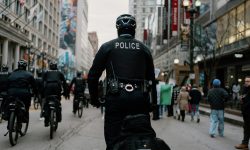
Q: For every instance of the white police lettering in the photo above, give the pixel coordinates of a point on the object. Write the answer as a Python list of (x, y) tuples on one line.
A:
[(127, 45)]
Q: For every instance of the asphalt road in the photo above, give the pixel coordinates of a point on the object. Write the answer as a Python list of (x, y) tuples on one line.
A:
[(87, 133)]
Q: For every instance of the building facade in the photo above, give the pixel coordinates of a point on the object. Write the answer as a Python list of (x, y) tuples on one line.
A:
[(30, 31), (141, 9)]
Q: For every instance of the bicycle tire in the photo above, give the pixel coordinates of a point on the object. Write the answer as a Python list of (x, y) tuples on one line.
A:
[(80, 109), (52, 123), (13, 129), (24, 128)]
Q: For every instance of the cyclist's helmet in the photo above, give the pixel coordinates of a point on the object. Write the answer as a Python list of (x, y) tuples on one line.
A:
[(78, 74), (53, 65), (22, 64), (126, 24), (5, 68)]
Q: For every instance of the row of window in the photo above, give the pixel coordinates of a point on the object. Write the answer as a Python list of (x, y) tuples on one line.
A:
[(234, 25)]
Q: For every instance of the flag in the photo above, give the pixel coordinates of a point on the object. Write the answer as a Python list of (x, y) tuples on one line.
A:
[(39, 17), (33, 12), (21, 2)]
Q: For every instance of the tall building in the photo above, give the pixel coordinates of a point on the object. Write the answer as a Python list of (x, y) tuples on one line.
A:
[(29, 30), (141, 9), (93, 38), (74, 43)]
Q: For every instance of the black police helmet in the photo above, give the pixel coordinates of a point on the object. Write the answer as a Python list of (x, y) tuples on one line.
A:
[(22, 64), (126, 24), (78, 74), (53, 65), (5, 68)]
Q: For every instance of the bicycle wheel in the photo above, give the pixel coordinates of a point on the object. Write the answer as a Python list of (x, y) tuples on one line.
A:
[(13, 129), (80, 109), (24, 127), (52, 121)]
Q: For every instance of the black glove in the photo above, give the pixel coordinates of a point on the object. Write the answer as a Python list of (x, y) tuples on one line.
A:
[(153, 107)]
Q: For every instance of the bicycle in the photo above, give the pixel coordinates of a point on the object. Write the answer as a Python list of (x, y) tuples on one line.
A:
[(52, 108), (16, 123), (81, 104)]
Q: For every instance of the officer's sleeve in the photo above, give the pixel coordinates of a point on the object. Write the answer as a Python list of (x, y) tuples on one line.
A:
[(95, 72), (151, 77)]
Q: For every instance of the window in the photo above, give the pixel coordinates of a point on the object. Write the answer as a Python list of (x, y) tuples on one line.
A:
[(33, 39), (240, 22), (40, 26), (46, 17), (143, 10), (232, 26), (248, 19), (18, 8), (51, 7), (50, 21), (39, 43), (45, 31), (40, 8)]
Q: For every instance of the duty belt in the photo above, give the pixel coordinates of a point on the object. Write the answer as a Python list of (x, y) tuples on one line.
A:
[(129, 87)]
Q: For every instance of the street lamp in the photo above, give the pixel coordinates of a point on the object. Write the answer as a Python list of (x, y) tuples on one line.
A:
[(29, 45), (192, 10)]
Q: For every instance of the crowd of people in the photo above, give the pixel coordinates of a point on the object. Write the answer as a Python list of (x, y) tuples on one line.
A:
[(186, 100)]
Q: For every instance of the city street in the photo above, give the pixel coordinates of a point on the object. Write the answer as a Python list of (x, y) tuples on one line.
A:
[(87, 133)]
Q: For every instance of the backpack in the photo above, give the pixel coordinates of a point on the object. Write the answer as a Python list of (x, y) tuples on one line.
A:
[(137, 134), (79, 85), (141, 143)]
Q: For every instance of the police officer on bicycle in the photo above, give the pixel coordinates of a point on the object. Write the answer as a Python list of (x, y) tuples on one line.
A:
[(4, 74), (79, 88), (130, 70), (54, 81), (20, 84)]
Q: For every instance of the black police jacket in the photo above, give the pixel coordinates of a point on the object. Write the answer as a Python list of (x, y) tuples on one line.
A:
[(21, 82), (53, 81), (80, 85), (131, 60), (3, 81)]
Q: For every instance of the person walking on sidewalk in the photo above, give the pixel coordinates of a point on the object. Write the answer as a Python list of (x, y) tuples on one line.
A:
[(216, 97), (245, 100), (182, 100), (196, 97), (176, 110)]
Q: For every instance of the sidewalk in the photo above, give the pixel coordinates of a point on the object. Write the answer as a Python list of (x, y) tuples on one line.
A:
[(232, 117)]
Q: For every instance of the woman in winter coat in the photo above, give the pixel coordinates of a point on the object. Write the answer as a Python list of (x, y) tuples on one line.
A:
[(182, 100)]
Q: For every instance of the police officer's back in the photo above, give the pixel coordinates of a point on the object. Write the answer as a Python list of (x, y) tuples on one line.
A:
[(20, 83), (129, 61), (79, 88), (54, 81), (4, 74)]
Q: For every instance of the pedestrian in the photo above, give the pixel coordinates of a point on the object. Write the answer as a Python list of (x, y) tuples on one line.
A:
[(236, 92), (176, 109), (245, 100), (182, 101), (130, 72), (196, 97), (217, 97), (159, 110)]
